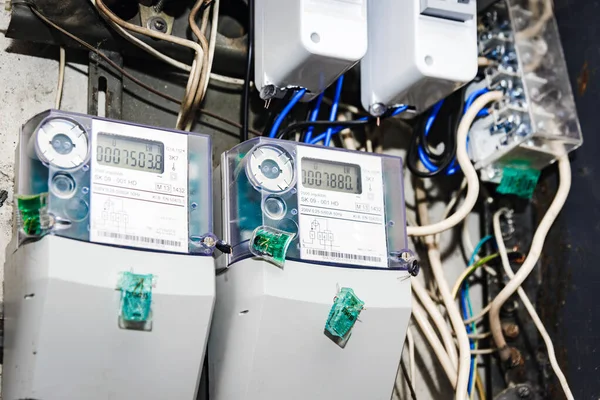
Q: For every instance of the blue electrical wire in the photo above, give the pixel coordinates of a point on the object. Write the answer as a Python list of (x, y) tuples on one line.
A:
[(317, 139), (478, 248), (464, 308), (472, 97), (453, 168), (299, 94), (465, 301), (313, 117), (334, 109)]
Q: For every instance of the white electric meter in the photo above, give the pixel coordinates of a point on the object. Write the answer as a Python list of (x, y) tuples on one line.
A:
[(109, 280), (307, 43), (318, 237), (420, 51)]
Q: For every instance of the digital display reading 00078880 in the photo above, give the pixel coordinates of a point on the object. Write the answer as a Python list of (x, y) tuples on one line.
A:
[(131, 153), (330, 175)]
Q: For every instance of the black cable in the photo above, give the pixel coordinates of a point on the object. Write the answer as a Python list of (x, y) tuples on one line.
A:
[(246, 94), (423, 139), (325, 124), (412, 157), (275, 110), (442, 161), (413, 395), (305, 124)]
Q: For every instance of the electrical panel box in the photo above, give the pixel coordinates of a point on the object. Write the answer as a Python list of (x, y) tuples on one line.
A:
[(419, 52), (307, 43), (536, 120), (110, 279)]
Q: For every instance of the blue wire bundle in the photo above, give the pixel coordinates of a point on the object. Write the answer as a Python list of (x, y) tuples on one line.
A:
[(334, 109), (453, 167), (317, 139), (313, 117), (297, 97)]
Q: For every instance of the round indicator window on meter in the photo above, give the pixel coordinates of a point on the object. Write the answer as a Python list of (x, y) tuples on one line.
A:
[(270, 168), (62, 143)]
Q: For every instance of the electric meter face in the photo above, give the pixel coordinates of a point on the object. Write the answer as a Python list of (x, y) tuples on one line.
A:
[(341, 207), (121, 184), (344, 208), (139, 187)]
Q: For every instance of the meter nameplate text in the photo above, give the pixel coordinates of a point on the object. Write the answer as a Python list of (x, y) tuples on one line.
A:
[(341, 208), (139, 187)]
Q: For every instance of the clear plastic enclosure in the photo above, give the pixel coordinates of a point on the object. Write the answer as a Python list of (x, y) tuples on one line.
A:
[(537, 119), (115, 183), (343, 208)]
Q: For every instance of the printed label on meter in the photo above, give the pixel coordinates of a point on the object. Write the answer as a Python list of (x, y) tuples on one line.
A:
[(341, 208), (139, 188)]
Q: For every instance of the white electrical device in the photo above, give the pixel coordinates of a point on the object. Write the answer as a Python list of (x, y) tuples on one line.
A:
[(310, 228), (109, 280), (420, 51), (306, 43)]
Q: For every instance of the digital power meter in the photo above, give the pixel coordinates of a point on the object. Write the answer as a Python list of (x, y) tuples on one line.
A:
[(329, 227), (110, 281)]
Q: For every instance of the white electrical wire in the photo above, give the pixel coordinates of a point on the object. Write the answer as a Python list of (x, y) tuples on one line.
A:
[(438, 320), (188, 104), (420, 318), (451, 204), (529, 307), (540, 23), (467, 168), (537, 244), (479, 316), (435, 262), (149, 49), (464, 347), (169, 60), (482, 352), (62, 63), (227, 79), (213, 41)]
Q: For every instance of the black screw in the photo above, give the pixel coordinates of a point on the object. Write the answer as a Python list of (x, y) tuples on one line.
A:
[(158, 24), (524, 392), (414, 268)]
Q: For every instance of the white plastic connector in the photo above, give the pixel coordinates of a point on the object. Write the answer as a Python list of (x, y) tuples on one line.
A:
[(307, 43), (419, 52)]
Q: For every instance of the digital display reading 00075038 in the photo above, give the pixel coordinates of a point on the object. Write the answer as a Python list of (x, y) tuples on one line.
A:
[(131, 153), (330, 175)]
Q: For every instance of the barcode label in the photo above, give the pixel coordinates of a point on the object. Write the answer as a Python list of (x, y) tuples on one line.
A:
[(140, 239), (343, 256)]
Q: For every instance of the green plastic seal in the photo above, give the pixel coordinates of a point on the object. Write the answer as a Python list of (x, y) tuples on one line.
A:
[(519, 181), (344, 313)]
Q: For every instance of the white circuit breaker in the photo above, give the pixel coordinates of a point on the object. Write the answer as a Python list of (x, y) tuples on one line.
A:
[(307, 43), (419, 52)]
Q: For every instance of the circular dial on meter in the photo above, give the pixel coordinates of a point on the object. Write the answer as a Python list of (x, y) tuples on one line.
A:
[(270, 168), (62, 143)]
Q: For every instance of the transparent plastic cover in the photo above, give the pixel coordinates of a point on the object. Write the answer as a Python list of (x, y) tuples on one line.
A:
[(537, 118), (115, 183), (343, 208)]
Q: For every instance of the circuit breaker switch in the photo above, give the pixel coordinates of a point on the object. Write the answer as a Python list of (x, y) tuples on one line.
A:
[(455, 10)]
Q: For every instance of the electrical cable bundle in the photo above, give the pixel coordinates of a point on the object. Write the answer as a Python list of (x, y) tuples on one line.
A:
[(420, 151)]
